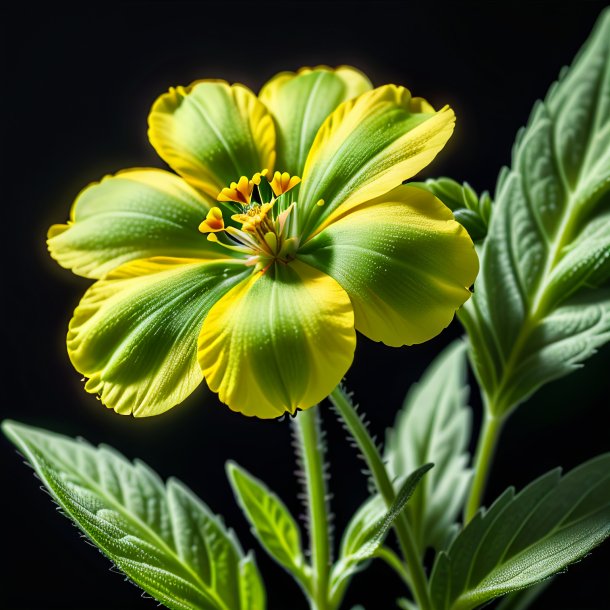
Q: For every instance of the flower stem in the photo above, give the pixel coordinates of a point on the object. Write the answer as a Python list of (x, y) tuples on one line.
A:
[(312, 454), (373, 458), (486, 447)]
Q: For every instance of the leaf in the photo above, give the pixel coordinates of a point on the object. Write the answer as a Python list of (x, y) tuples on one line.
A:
[(367, 530), (524, 598), (548, 244), (406, 604), (434, 426), (163, 537), (272, 523), (525, 538), (472, 211)]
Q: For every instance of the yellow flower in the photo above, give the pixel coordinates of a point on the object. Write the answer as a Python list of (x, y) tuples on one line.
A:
[(286, 230)]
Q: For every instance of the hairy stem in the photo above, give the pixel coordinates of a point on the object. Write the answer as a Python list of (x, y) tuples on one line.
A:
[(486, 446), (373, 458), (312, 453)]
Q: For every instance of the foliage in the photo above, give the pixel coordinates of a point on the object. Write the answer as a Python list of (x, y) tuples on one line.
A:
[(162, 536), (535, 315)]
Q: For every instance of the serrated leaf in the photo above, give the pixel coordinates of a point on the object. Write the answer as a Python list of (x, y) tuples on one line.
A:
[(524, 598), (523, 539), (272, 524), (434, 425), (161, 536), (367, 530), (472, 211), (549, 240)]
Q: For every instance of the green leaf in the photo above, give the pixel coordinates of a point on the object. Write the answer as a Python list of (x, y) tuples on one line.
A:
[(434, 426), (548, 244), (525, 538), (272, 523), (163, 537), (524, 598), (367, 530), (472, 211), (406, 604)]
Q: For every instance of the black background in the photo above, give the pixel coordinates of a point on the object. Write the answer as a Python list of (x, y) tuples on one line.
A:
[(77, 86)]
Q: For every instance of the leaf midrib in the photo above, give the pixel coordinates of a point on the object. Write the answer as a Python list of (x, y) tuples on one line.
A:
[(535, 311), (470, 594), (563, 524), (143, 526), (273, 528)]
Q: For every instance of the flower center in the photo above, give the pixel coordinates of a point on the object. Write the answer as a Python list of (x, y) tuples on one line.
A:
[(265, 230)]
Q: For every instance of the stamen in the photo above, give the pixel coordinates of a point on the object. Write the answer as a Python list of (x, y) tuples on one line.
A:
[(243, 249), (263, 236), (282, 183), (257, 177), (213, 222), (239, 192)]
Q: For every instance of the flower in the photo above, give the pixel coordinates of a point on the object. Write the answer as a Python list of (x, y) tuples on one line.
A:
[(286, 229)]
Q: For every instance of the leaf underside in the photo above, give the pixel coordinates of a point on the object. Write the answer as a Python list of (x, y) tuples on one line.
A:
[(536, 313), (434, 425), (162, 537), (525, 538)]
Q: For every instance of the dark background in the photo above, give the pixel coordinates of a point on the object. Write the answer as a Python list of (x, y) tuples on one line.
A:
[(78, 83)]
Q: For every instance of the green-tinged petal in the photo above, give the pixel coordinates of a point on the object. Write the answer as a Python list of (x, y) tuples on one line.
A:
[(279, 341), (212, 133), (365, 148), (301, 101), (137, 213), (404, 261), (134, 334)]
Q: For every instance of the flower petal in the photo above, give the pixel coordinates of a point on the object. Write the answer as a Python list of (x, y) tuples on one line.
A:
[(279, 341), (403, 260), (134, 333), (212, 133), (301, 101), (138, 213), (365, 148)]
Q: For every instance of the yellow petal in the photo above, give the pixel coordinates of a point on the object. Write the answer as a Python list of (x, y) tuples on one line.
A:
[(134, 333), (137, 213), (301, 101), (404, 261), (278, 341), (212, 133), (367, 147)]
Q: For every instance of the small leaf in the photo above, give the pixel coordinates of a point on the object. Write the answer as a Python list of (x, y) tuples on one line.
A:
[(251, 586), (272, 523), (434, 426), (163, 537), (472, 211), (548, 244), (406, 604), (525, 538), (367, 530)]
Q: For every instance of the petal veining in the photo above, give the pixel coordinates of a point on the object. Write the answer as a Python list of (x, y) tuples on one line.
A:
[(212, 133), (404, 261), (137, 213), (134, 333), (278, 341)]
